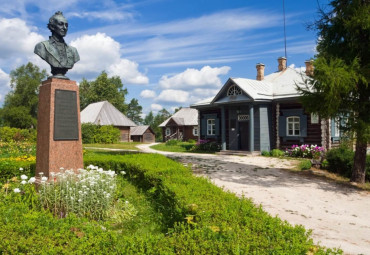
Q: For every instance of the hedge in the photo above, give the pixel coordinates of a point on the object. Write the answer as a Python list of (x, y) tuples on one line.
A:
[(204, 219), (198, 218)]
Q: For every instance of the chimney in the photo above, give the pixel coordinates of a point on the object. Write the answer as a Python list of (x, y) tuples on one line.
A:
[(309, 67), (260, 71), (282, 64)]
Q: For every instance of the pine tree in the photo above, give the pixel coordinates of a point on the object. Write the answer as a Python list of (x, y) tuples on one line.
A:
[(342, 68), (134, 111)]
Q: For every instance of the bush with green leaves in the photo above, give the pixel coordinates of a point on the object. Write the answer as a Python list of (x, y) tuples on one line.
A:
[(99, 134), (340, 161), (9, 134), (277, 153), (265, 153), (172, 142), (305, 164), (206, 146)]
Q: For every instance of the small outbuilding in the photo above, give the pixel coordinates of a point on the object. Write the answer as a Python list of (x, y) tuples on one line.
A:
[(143, 134), (183, 125), (104, 113)]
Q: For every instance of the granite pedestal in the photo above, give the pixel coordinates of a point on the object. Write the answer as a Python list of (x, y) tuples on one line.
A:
[(59, 142)]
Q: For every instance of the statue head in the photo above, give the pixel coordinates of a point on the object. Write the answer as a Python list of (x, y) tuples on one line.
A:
[(58, 24)]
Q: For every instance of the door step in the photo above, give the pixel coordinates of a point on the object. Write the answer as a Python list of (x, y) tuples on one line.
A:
[(238, 153)]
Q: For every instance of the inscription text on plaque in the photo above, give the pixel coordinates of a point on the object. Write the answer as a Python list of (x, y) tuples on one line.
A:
[(65, 115)]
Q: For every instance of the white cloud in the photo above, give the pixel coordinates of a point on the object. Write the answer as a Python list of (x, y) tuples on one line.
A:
[(109, 15), (17, 39), (100, 52), (148, 93), (156, 107), (205, 77), (128, 71), (171, 95), (4, 84)]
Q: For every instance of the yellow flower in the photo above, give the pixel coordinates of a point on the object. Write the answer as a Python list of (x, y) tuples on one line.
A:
[(14, 179), (6, 186)]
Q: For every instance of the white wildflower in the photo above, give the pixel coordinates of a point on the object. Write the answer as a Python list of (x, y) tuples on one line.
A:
[(16, 190), (24, 177), (21, 169), (23, 182), (123, 172), (32, 180), (44, 179)]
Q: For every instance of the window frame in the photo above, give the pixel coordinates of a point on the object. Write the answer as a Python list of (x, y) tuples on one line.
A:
[(168, 131), (234, 89), (315, 118), (211, 127), (293, 122), (195, 131)]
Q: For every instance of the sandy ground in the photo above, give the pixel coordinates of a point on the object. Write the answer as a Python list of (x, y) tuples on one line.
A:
[(337, 214)]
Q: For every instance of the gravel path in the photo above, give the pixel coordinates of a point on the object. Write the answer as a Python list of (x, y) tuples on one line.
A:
[(337, 214)]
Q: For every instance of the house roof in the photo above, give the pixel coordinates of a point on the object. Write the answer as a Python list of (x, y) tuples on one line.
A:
[(184, 117), (139, 130), (274, 86), (104, 113)]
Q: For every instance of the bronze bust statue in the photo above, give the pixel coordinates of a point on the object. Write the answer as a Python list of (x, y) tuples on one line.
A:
[(55, 51)]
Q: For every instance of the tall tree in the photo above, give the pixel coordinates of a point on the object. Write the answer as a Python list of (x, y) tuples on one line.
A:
[(134, 111), (149, 119), (20, 104), (103, 89), (342, 68), (161, 116)]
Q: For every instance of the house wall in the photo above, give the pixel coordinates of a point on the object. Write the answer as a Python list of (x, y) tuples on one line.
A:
[(148, 137), (188, 133), (313, 135), (215, 113), (125, 133)]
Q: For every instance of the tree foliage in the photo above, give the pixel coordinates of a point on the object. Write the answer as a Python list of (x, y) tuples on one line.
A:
[(103, 89), (342, 68), (155, 121), (20, 104), (134, 111)]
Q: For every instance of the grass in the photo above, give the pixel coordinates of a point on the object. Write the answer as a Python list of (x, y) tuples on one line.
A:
[(180, 147), (121, 145)]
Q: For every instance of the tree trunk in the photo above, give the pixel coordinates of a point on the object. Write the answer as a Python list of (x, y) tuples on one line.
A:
[(359, 170)]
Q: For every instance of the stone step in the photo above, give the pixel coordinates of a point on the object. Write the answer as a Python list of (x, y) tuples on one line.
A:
[(238, 153)]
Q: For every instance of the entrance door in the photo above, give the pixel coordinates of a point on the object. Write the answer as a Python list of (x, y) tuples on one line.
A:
[(243, 136)]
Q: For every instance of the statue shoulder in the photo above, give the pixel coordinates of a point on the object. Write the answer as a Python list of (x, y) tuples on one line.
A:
[(74, 52), (40, 47)]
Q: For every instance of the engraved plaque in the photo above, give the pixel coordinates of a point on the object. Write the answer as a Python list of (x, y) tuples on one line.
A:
[(65, 115)]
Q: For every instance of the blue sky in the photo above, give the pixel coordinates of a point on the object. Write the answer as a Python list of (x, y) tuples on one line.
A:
[(168, 53)]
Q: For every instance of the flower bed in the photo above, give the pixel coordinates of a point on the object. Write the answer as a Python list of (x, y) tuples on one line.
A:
[(305, 151)]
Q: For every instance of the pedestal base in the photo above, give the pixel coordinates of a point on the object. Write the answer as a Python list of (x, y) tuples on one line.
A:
[(53, 152)]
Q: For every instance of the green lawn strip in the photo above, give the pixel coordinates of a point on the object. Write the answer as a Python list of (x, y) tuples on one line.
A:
[(202, 218), (180, 147), (121, 145)]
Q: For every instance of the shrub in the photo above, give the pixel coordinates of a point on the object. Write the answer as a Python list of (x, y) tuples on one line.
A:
[(99, 134), (8, 134), (202, 218), (86, 194), (265, 153), (107, 134), (172, 142), (305, 164), (305, 151), (206, 146), (340, 161), (192, 141), (277, 153)]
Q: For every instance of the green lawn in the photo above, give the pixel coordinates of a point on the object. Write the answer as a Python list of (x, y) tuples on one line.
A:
[(121, 145), (180, 147)]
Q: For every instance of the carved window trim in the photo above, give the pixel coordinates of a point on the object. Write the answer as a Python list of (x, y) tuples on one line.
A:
[(234, 91)]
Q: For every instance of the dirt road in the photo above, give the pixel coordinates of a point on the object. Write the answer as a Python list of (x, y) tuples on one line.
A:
[(338, 215)]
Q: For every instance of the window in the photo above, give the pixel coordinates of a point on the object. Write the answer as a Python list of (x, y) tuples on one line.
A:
[(337, 127), (195, 131), (293, 126), (211, 127), (168, 131), (314, 118), (234, 90)]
